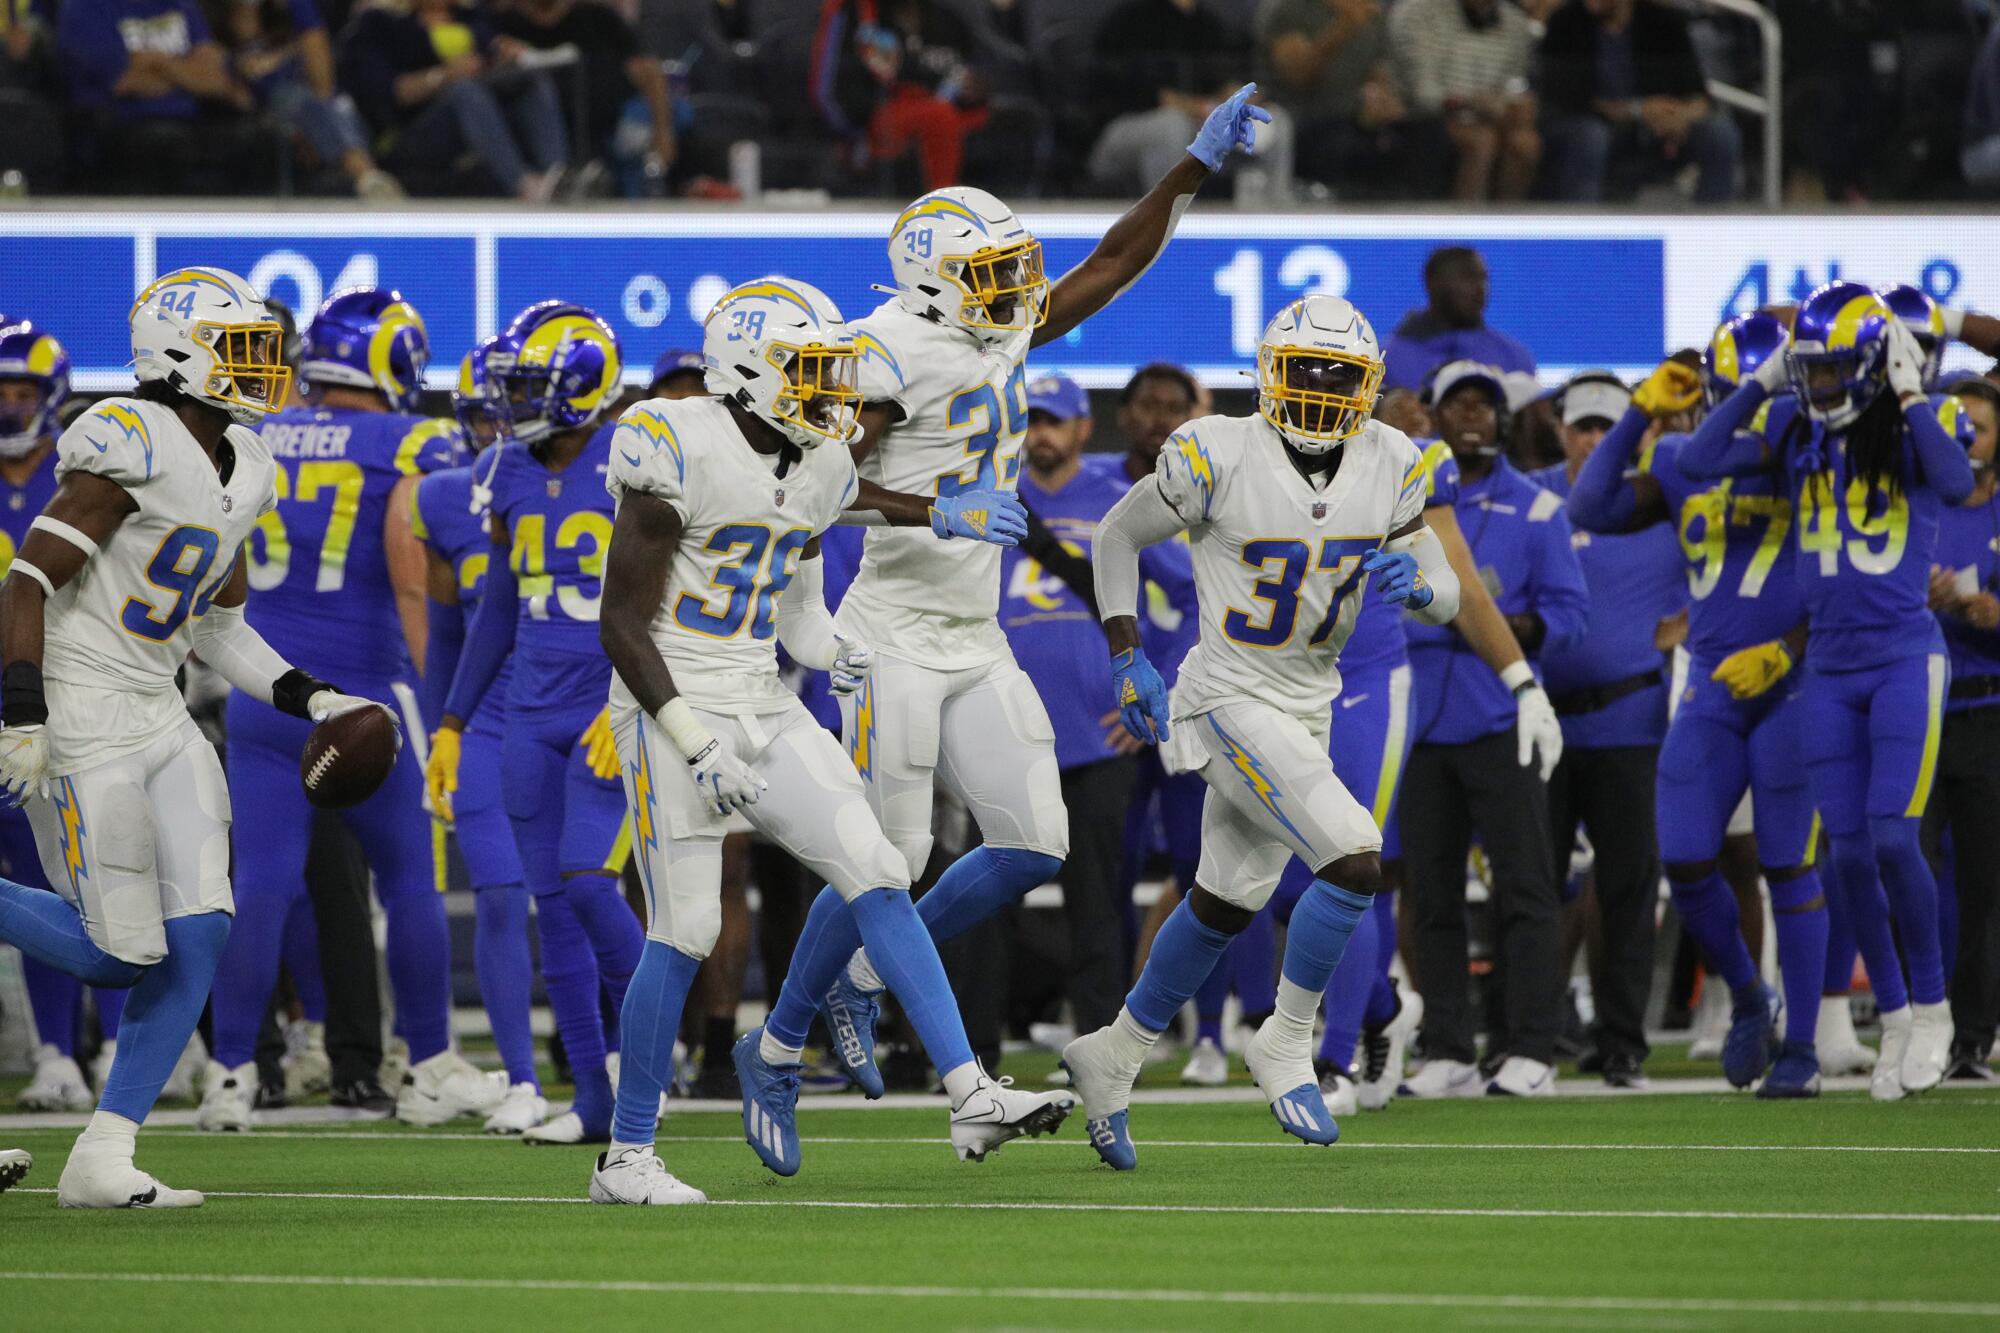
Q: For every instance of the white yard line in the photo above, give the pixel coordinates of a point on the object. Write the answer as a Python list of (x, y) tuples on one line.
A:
[(1113, 1295)]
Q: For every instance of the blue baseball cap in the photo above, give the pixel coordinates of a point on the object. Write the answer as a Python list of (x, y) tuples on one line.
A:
[(1059, 396), (673, 363)]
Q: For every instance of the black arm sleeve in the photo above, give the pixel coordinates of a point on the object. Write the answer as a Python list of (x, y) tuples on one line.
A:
[(1047, 550)]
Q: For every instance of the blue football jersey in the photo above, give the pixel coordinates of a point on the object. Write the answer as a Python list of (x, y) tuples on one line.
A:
[(20, 504), (1736, 542), (558, 527), (449, 515), (319, 573)]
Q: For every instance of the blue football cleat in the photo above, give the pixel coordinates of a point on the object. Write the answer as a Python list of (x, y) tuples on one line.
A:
[(1302, 1113), (770, 1105), (1113, 1140), (1753, 1023), (1796, 1073), (850, 1015)]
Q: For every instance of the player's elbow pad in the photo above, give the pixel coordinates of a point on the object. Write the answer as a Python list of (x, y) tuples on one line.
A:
[(225, 640), (805, 627), (1436, 570)]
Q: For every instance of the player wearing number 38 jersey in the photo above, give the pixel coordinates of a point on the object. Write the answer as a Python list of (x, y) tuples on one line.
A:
[(1292, 514), (133, 564), (1869, 467)]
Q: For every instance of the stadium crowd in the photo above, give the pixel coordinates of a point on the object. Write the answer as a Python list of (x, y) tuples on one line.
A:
[(1561, 100)]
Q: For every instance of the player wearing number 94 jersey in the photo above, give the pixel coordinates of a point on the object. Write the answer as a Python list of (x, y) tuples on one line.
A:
[(134, 563), (1291, 515)]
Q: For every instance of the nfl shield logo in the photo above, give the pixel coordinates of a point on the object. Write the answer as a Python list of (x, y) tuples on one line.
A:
[(780, 497), (226, 503), (555, 488), (1319, 509)]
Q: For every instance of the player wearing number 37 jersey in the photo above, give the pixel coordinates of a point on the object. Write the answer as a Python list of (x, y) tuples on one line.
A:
[(134, 563), (1292, 515)]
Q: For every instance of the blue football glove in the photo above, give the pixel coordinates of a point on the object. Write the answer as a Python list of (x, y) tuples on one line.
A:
[(984, 516), (1397, 578), (1231, 125), (1142, 695)]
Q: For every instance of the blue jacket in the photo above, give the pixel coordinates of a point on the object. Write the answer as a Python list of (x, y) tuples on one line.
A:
[(1968, 549), (1422, 343), (1520, 539)]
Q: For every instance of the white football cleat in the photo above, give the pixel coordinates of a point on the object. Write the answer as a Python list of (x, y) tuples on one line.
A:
[(100, 1064), (227, 1098), (1929, 1052), (1342, 1097), (637, 1175), (563, 1129), (1443, 1078), (180, 1086), (443, 1088), (395, 1064), (1378, 1088), (996, 1112), (1207, 1066), (58, 1084), (96, 1178), (307, 1068), (1711, 1021), (1885, 1084), (1521, 1077), (1840, 1050), (519, 1111), (15, 1163)]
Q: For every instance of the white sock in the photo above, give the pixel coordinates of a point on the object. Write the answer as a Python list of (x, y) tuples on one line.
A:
[(108, 1129), (862, 975), (775, 1054), (1289, 1029), (962, 1082), (612, 1153), (1131, 1036)]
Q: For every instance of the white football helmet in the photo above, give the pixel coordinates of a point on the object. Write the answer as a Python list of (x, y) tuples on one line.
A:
[(779, 348), (1319, 369), (207, 333), (962, 258)]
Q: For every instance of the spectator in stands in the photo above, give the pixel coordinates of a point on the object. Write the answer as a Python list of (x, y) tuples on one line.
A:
[(434, 83), (279, 49), (627, 110), (1453, 328), (1467, 61), (892, 75), (1625, 97), (1326, 62), (1159, 68), (30, 92), (163, 112), (1979, 156)]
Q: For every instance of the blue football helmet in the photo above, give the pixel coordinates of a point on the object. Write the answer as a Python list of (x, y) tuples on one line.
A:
[(1740, 345), (1840, 352), (33, 357), (368, 338), (557, 365), (477, 400), (1925, 319)]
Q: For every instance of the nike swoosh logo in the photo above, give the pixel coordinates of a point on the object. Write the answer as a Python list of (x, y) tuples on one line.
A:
[(101, 448), (1353, 700), (633, 459)]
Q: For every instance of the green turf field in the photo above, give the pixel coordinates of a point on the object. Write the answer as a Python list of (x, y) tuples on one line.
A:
[(1665, 1212)]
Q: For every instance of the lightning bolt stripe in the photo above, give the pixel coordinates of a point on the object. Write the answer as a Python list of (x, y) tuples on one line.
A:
[(658, 432), (775, 291), (70, 833), (175, 279), (129, 423), (861, 745), (938, 207), (1254, 777), (871, 346), (1201, 468), (645, 826)]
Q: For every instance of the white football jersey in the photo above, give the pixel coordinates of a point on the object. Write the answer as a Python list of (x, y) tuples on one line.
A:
[(744, 529), (125, 624), (965, 409), (1277, 559)]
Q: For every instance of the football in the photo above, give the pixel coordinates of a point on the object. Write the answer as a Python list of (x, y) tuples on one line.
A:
[(347, 757)]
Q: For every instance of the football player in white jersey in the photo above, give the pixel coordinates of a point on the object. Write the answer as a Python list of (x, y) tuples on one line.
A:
[(134, 563), (714, 560), (945, 410), (1292, 514)]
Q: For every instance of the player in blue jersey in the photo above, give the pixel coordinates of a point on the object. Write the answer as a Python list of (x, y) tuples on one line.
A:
[(449, 514), (1869, 468), (334, 575), (557, 366)]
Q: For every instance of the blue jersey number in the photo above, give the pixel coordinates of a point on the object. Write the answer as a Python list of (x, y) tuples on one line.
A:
[(185, 556), (997, 422), (754, 571), (1342, 556)]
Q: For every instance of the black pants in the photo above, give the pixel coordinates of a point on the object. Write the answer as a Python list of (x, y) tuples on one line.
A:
[(1449, 792), (337, 882), (1610, 792), (1967, 798)]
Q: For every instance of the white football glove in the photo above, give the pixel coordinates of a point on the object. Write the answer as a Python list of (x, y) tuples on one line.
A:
[(1772, 372), (330, 703), (725, 782), (1906, 361), (1536, 728), (24, 762), (851, 661)]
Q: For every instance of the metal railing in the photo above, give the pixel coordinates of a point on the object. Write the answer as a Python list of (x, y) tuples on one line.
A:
[(1768, 105)]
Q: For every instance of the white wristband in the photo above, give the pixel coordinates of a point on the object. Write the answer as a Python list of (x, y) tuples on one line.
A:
[(1516, 674), (21, 566), (683, 728), (1954, 321)]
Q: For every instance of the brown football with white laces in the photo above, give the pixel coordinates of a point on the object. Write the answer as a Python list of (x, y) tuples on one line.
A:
[(347, 757)]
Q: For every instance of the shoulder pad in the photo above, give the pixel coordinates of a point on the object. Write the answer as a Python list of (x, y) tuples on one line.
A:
[(430, 444), (648, 451), (119, 438), (1191, 467)]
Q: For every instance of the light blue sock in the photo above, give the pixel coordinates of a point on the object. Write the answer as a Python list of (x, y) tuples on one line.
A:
[(1184, 953), (906, 958), (979, 884), (651, 1019), (43, 924), (162, 1013), (1321, 927), (828, 939)]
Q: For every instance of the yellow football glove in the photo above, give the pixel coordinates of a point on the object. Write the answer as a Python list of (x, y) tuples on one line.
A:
[(441, 773), (1671, 388), (600, 751), (1751, 671)]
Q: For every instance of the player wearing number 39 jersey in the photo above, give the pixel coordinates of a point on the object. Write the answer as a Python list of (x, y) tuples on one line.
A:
[(134, 563), (1868, 466), (1291, 515)]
